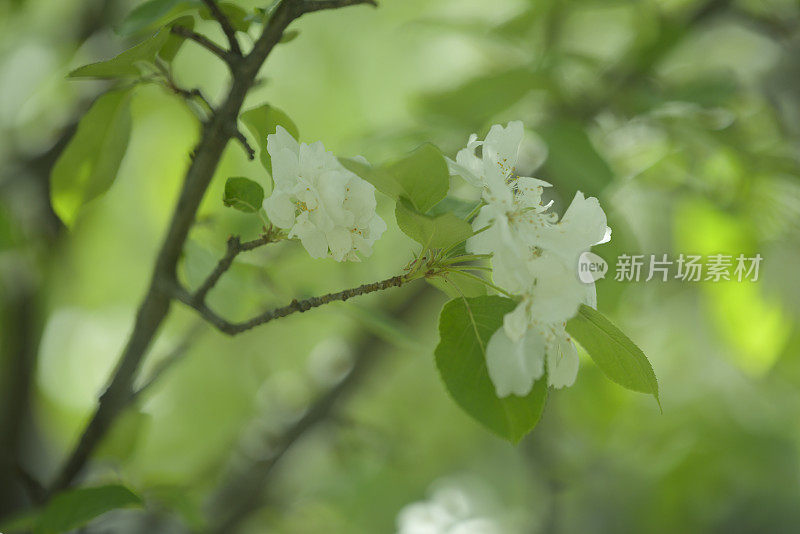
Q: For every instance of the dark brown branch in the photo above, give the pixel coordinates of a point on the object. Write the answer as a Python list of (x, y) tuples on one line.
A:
[(235, 247), (225, 24), (237, 134), (205, 42), (242, 490), (156, 303), (296, 306)]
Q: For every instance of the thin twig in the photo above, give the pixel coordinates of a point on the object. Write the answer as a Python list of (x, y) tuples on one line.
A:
[(296, 306), (237, 134), (205, 42), (235, 247), (225, 24)]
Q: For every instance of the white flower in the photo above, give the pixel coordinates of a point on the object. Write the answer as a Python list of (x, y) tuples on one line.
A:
[(329, 208), (533, 255), (533, 336), (450, 510)]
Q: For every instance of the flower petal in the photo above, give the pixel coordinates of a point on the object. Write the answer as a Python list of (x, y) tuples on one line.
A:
[(280, 209), (562, 361), (513, 367)]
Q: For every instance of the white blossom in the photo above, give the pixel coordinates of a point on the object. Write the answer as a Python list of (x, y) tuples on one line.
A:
[(534, 255), (329, 208)]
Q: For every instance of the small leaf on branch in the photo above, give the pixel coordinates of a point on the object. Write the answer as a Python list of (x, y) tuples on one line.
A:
[(289, 36), (239, 18), (455, 284), (431, 232), (243, 194), (616, 355), (89, 164), (465, 326), (422, 176), (153, 13), (263, 121), (126, 64), (174, 42)]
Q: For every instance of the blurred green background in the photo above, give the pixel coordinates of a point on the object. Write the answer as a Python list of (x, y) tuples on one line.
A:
[(682, 116)]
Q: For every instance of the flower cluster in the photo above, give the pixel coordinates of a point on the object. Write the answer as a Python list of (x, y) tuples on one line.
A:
[(329, 208), (535, 256)]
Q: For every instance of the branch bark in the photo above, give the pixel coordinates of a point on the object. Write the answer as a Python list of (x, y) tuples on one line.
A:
[(225, 24), (155, 306), (296, 306)]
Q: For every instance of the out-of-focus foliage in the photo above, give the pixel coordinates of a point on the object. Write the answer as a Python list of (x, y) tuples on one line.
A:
[(682, 116)]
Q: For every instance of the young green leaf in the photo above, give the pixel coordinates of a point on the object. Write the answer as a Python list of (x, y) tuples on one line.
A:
[(377, 176), (239, 18), (616, 355), (89, 164), (73, 509), (455, 284), (154, 13), (431, 232), (243, 194), (263, 121), (422, 177), (126, 64), (458, 207), (465, 326), (289, 36), (175, 42)]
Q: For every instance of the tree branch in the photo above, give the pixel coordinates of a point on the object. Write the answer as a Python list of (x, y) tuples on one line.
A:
[(205, 42), (155, 305), (235, 247), (296, 306), (225, 24)]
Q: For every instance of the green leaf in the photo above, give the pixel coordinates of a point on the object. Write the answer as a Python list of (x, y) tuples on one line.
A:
[(572, 162), (616, 355), (240, 19), (174, 42), (126, 64), (289, 36), (263, 121), (243, 194), (153, 13), (465, 326), (458, 207), (89, 164), (377, 176), (480, 99), (431, 232), (455, 284), (422, 177), (73, 509)]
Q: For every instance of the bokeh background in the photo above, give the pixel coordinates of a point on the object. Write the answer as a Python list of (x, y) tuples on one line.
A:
[(682, 116)]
